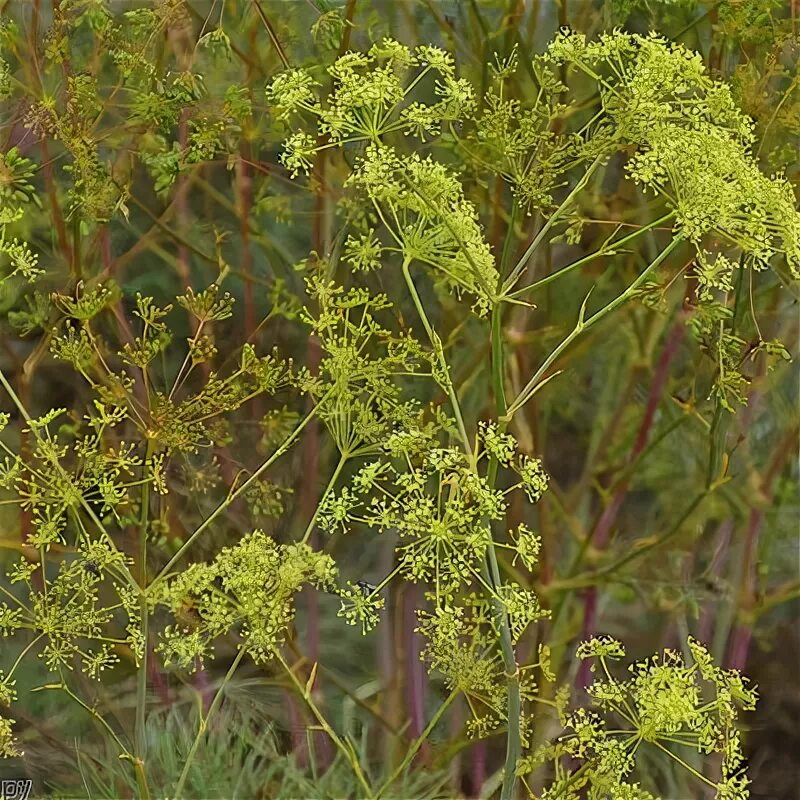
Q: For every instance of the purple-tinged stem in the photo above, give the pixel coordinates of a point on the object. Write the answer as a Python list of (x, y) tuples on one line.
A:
[(705, 626), (605, 524), (415, 669)]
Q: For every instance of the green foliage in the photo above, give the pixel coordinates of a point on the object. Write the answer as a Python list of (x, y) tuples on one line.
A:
[(242, 755), (166, 515)]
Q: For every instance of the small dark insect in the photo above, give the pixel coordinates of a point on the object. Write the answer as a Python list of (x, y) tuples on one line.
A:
[(713, 584), (92, 568), (366, 588), (187, 615)]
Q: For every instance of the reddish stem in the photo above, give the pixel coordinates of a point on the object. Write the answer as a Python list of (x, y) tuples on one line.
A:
[(602, 531), (743, 633), (477, 775), (705, 626), (415, 670), (157, 678), (244, 193)]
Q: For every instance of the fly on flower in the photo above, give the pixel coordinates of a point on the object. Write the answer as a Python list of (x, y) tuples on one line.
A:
[(361, 603), (92, 568), (366, 588)]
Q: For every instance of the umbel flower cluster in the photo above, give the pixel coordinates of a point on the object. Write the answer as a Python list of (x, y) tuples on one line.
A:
[(363, 367), (685, 140), (441, 508), (692, 142), (419, 201), (249, 588), (441, 505), (679, 131), (665, 701)]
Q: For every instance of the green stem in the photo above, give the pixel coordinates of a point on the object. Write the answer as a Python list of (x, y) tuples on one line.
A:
[(76, 249), (645, 547), (347, 752), (513, 700), (63, 686), (328, 489), (412, 751), (498, 362), (22, 655), (521, 264), (606, 250), (15, 399), (437, 346), (141, 677), (138, 767), (491, 566), (141, 779), (584, 324), (204, 720), (685, 765)]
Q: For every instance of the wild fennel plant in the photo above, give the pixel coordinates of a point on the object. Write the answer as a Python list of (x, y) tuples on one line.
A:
[(690, 148), (412, 459)]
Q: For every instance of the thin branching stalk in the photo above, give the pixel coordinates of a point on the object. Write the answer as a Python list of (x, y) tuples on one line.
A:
[(328, 489), (491, 567), (141, 677), (417, 744), (583, 324), (608, 249), (205, 720), (519, 268), (287, 443), (343, 746)]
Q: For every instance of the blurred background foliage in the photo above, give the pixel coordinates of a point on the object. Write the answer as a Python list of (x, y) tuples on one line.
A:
[(162, 190)]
